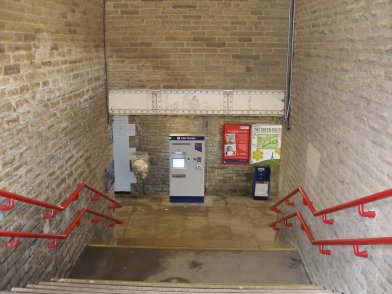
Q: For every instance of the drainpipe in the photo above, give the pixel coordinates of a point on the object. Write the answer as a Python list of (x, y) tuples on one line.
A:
[(106, 63), (289, 65)]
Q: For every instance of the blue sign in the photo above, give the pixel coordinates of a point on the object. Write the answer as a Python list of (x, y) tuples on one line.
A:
[(186, 138), (199, 147)]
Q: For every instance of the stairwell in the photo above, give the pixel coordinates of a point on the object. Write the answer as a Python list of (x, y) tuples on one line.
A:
[(152, 270), (250, 265), (115, 269)]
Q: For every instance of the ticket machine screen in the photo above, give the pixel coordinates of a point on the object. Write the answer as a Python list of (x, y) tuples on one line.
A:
[(178, 163)]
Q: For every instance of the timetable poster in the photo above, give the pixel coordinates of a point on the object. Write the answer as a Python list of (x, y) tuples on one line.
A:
[(236, 144)]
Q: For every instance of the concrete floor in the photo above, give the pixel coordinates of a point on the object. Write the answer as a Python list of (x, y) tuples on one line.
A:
[(220, 223)]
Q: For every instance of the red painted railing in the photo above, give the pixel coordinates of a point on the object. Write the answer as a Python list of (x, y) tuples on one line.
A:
[(75, 223), (354, 242), (16, 235), (73, 197), (357, 202)]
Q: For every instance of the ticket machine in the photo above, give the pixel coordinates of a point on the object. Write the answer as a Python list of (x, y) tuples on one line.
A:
[(187, 165)]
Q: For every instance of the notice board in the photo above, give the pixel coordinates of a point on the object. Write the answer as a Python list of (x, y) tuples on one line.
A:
[(236, 144)]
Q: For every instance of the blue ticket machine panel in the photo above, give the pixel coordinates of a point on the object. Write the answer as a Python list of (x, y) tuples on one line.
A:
[(187, 165), (261, 182)]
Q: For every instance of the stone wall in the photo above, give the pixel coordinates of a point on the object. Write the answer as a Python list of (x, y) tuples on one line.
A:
[(53, 127), (231, 44), (152, 134), (339, 146)]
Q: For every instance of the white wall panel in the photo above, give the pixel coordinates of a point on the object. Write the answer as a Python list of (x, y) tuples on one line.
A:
[(123, 177)]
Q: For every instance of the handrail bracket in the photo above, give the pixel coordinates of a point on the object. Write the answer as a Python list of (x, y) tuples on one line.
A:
[(359, 253), (96, 220), (54, 244), (287, 224), (324, 251), (327, 221), (363, 213), (12, 243), (95, 198), (290, 203), (8, 206), (76, 197), (49, 215)]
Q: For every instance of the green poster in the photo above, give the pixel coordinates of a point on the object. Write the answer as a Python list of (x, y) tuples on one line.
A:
[(265, 143)]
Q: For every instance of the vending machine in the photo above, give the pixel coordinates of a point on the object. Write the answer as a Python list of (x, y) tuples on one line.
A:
[(187, 166)]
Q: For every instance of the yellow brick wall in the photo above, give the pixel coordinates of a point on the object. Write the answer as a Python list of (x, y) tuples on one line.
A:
[(235, 44), (340, 143), (53, 125)]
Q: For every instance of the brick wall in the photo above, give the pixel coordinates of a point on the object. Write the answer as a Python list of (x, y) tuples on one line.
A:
[(235, 44), (232, 44), (340, 146), (221, 179), (52, 126)]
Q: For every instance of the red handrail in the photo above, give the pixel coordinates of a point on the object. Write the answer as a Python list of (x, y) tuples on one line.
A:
[(354, 242), (75, 223), (357, 202), (73, 197)]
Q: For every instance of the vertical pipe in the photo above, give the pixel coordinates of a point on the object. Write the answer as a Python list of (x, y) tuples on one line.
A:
[(289, 64), (292, 61), (288, 61), (206, 121), (106, 62)]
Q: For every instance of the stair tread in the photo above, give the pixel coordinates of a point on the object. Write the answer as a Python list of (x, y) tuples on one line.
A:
[(185, 285), (172, 289), (191, 266), (62, 290)]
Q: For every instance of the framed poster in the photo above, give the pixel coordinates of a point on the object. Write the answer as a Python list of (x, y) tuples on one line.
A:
[(265, 144), (236, 139)]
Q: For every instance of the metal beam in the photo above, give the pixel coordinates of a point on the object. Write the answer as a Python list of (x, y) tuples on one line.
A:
[(196, 102)]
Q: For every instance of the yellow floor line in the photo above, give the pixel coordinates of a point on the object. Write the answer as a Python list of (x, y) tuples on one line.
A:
[(188, 248), (200, 284)]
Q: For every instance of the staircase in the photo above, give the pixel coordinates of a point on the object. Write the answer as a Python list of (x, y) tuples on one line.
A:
[(62, 286), (112, 269)]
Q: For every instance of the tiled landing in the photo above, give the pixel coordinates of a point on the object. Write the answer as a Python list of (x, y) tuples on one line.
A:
[(233, 222)]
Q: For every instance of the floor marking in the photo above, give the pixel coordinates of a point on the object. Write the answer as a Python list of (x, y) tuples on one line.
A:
[(188, 248)]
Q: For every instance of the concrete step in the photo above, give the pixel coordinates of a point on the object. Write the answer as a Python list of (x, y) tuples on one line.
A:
[(62, 286), (191, 266), (183, 285), (61, 290)]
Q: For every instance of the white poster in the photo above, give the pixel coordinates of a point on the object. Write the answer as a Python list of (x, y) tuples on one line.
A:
[(265, 143)]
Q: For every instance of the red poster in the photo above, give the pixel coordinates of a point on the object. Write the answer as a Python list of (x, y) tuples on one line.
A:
[(236, 145)]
